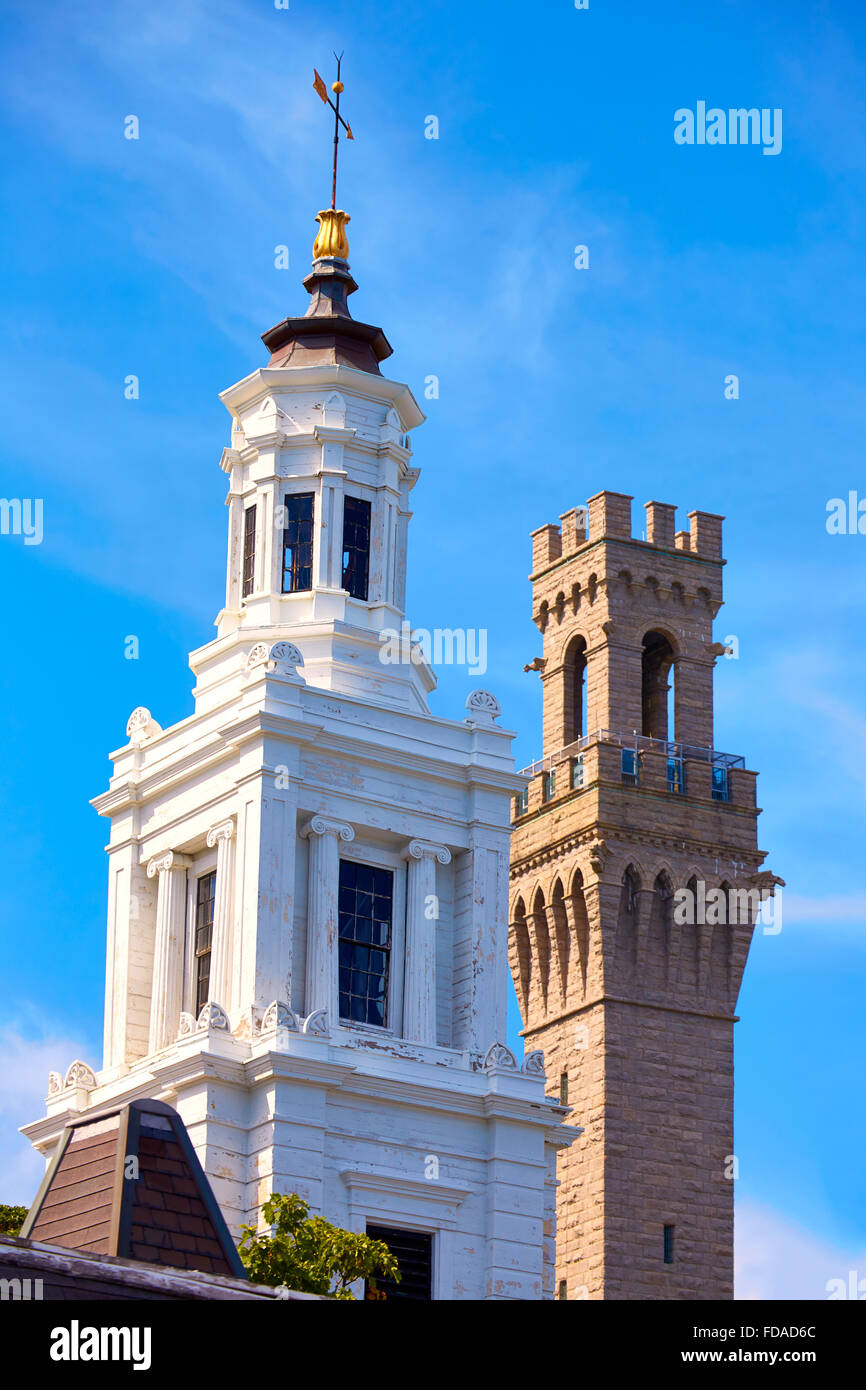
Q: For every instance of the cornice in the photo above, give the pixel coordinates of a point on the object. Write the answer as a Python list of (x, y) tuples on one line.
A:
[(486, 1103), (143, 786), (279, 441), (458, 763), (276, 1066), (395, 1184), (558, 1018), (615, 834), (263, 380)]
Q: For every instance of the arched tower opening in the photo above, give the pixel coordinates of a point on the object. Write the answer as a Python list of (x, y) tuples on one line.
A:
[(657, 687), (574, 693)]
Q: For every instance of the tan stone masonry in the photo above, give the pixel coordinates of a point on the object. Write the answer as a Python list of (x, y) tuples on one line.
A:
[(633, 1011)]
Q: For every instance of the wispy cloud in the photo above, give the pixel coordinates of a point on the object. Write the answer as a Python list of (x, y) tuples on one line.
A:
[(777, 1258), (29, 1053)]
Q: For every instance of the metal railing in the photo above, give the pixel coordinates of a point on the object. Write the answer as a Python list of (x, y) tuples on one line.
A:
[(639, 743)]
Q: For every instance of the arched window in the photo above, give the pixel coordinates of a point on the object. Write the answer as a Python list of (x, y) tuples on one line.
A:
[(630, 887), (657, 686), (574, 702), (659, 942), (581, 928), (542, 939), (563, 944), (690, 945), (626, 935), (720, 947), (521, 957)]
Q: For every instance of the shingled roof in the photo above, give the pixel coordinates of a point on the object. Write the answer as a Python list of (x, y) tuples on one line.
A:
[(127, 1182)]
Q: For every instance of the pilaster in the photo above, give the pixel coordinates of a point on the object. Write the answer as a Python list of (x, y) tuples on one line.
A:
[(323, 976), (223, 836), (419, 995), (167, 996)]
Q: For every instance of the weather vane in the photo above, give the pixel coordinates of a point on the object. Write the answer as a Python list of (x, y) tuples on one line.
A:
[(336, 88)]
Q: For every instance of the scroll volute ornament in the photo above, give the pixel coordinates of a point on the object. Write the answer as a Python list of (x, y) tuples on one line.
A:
[(332, 239)]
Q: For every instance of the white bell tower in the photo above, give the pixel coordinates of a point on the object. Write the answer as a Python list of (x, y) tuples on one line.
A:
[(307, 908)]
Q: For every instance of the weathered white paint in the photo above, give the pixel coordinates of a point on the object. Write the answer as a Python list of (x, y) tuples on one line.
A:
[(303, 748), (322, 961), (167, 987), (221, 948), (419, 997)]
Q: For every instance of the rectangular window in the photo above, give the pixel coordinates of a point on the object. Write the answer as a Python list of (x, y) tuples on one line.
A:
[(563, 1289), (563, 1088), (676, 775), (669, 1245), (577, 771), (248, 577), (721, 784), (630, 767), (414, 1254), (522, 800), (356, 546), (297, 542), (548, 785), (204, 901), (365, 907)]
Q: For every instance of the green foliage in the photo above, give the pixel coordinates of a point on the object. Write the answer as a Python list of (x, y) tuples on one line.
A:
[(306, 1253), (11, 1219)]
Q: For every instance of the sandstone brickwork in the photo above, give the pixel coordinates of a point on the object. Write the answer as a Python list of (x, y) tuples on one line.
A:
[(628, 804)]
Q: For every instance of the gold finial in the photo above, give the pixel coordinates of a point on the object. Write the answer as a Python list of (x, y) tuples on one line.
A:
[(332, 239)]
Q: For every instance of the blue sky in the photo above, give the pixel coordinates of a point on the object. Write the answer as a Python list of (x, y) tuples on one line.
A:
[(156, 257)]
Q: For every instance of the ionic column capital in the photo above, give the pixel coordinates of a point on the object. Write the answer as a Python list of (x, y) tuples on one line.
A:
[(321, 825), (423, 849), (164, 863), (224, 831)]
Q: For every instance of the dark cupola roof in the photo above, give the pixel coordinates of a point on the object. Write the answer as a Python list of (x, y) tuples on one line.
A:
[(327, 333)]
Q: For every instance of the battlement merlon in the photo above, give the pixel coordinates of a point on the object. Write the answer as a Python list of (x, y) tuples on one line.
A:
[(607, 517)]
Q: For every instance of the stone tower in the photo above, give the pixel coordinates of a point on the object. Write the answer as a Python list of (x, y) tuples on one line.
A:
[(629, 817), (308, 875)]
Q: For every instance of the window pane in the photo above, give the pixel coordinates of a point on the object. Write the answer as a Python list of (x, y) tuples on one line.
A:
[(202, 984), (249, 566), (356, 546), (204, 907), (364, 970), (669, 1245), (297, 542)]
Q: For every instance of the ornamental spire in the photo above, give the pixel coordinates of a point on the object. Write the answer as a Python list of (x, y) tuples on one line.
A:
[(332, 240), (327, 333)]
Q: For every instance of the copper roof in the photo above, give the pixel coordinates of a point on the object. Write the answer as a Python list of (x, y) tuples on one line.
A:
[(327, 333)]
